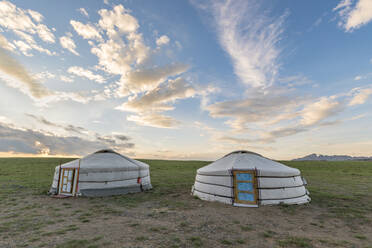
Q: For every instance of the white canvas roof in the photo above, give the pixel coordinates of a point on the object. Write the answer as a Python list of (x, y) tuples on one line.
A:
[(104, 160), (245, 160)]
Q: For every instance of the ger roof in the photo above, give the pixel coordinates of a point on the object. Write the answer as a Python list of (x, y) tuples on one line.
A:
[(108, 159), (246, 160)]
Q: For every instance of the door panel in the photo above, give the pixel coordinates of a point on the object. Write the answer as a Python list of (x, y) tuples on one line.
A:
[(67, 181), (245, 187)]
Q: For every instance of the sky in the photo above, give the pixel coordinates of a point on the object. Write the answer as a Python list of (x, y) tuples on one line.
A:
[(186, 79)]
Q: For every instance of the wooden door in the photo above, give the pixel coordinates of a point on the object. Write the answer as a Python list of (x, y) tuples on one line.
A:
[(67, 181), (245, 187)]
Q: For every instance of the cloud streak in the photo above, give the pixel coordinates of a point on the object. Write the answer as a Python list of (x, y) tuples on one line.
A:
[(5, 44), (251, 40), (27, 141), (81, 72), (360, 96), (149, 105), (267, 110), (141, 80), (12, 68), (25, 24), (69, 44), (354, 16), (87, 31), (162, 40)]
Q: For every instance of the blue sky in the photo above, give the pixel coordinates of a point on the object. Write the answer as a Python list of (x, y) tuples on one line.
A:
[(185, 79)]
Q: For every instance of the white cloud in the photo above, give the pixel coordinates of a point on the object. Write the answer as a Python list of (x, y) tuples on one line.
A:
[(58, 96), (27, 141), (266, 137), (162, 40), (117, 55), (117, 21), (361, 96), (353, 17), (16, 76), (44, 33), (259, 108), (149, 105), (5, 120), (154, 120), (323, 108), (69, 44), (357, 78), (81, 72), (66, 79), (14, 18), (44, 75), (269, 108), (36, 15), (87, 31), (294, 81), (251, 39), (27, 84), (29, 43), (83, 12), (25, 24), (26, 37), (26, 47), (4, 43), (121, 51), (159, 98), (178, 44), (267, 117), (357, 117), (317, 22), (342, 5), (147, 79), (113, 57)]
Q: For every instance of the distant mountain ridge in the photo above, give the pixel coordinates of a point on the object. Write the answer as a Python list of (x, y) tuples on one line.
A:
[(319, 157)]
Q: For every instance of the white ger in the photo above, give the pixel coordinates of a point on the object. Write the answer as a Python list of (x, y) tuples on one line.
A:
[(102, 173), (244, 178)]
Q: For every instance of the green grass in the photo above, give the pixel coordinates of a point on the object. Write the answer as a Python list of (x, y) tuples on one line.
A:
[(196, 241), (268, 234), (168, 178), (18, 175), (141, 238), (246, 228), (226, 242), (361, 237), (329, 182), (343, 190), (297, 242), (78, 243)]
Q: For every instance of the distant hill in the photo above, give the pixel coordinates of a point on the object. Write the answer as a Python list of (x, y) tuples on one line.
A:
[(319, 157)]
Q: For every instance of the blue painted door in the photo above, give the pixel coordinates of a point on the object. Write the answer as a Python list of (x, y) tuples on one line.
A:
[(245, 187)]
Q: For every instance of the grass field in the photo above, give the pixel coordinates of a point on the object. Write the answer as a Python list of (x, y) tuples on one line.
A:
[(340, 214)]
